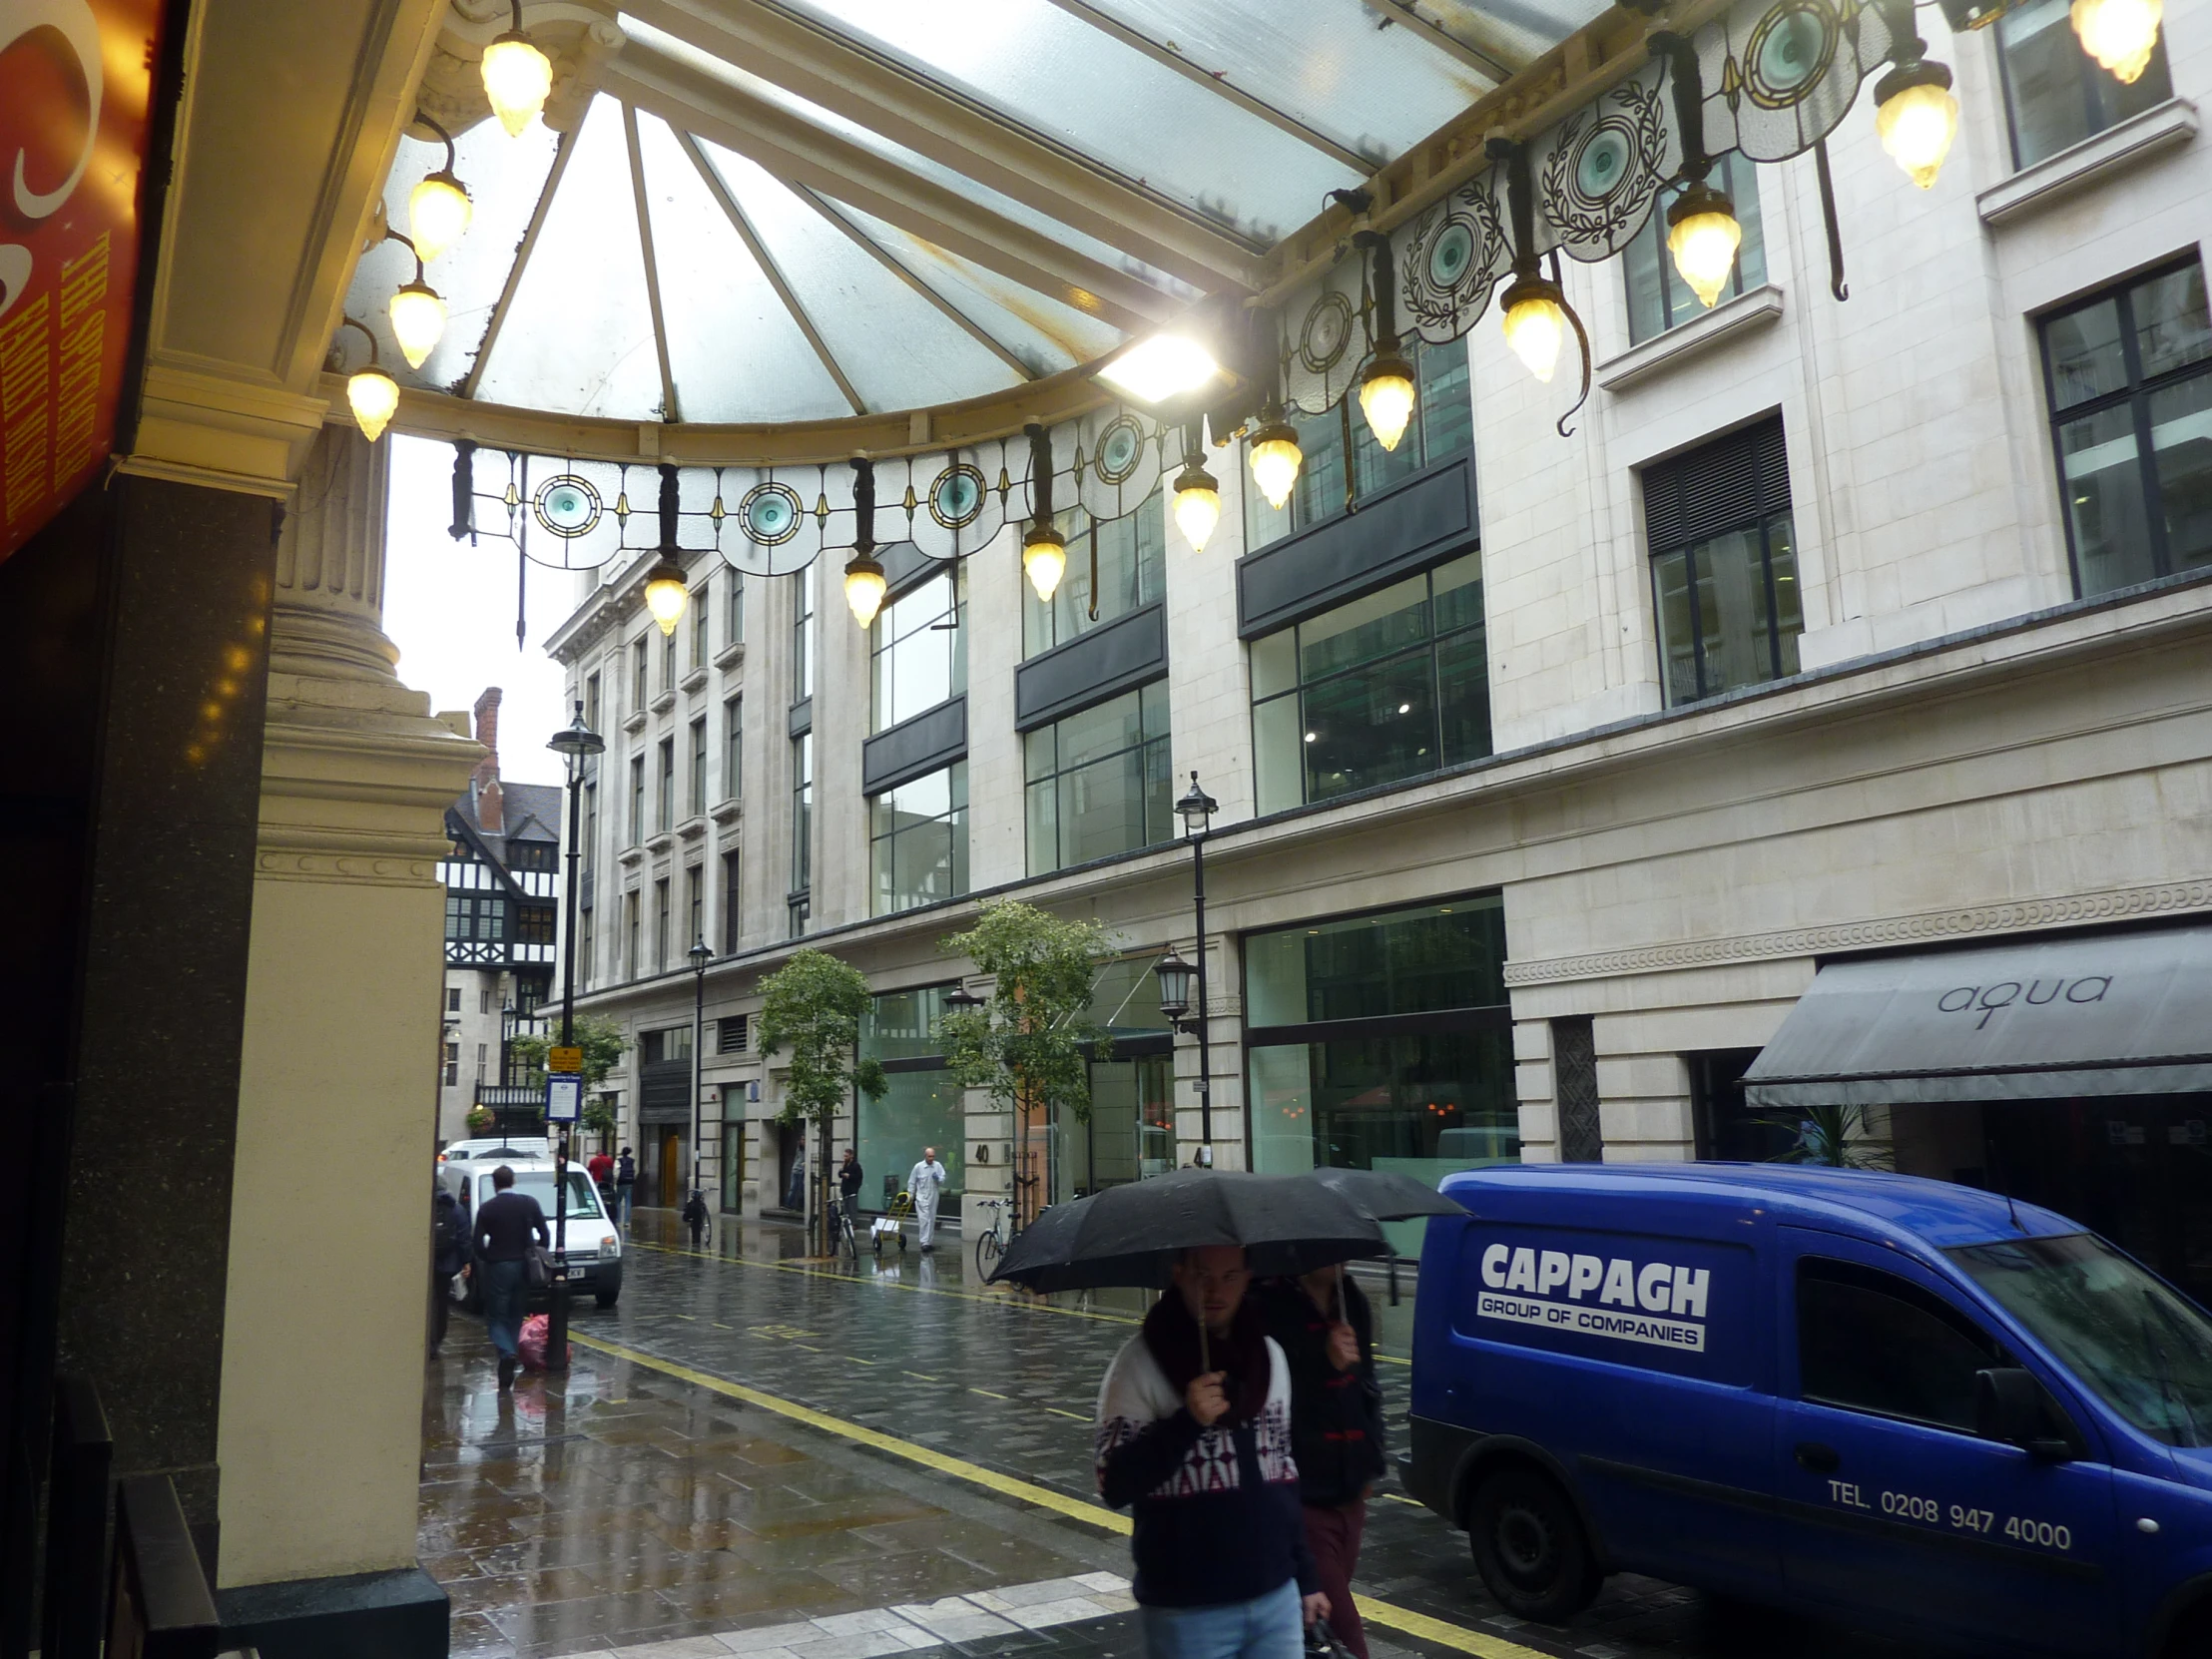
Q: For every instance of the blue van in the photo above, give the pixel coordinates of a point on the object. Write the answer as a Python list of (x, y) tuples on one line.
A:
[(1908, 1405)]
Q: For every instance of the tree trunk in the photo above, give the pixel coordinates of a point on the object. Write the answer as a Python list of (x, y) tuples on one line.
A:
[(827, 1248)]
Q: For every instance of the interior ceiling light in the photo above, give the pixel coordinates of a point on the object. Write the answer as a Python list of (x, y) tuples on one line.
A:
[(372, 393), (1044, 559), (1535, 325), (1161, 368), (417, 322), (517, 77), (1276, 456), (1703, 236), (1917, 117), (864, 586), (1387, 384), (2120, 34), (1197, 492), (666, 594), (439, 209)]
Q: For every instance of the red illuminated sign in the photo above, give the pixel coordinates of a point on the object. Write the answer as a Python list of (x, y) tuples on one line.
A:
[(75, 77)]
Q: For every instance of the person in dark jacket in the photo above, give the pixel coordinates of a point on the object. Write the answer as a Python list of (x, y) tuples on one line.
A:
[(626, 1183), (508, 1223), (448, 1255), (1327, 1332), (1194, 1439), (848, 1188)]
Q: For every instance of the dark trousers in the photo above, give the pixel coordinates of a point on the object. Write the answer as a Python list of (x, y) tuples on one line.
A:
[(440, 1300), (506, 1284), (1334, 1537)]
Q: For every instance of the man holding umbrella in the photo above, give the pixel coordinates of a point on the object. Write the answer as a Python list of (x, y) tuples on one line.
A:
[(1194, 1437)]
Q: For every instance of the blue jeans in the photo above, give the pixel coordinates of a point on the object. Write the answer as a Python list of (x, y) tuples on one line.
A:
[(623, 1190), (506, 1287), (1271, 1626)]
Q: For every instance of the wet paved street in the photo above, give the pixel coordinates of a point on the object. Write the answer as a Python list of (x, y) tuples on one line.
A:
[(751, 1439)]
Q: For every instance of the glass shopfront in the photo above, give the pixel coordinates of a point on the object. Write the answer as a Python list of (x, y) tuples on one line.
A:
[(922, 1106), (1130, 1133), (1383, 1042)]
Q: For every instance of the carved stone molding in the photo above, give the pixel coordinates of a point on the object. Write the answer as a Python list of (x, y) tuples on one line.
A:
[(2020, 916)]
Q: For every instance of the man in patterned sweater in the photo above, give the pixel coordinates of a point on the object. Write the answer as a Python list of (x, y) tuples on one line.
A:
[(1194, 1436)]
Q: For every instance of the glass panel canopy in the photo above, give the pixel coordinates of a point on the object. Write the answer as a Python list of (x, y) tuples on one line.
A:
[(710, 244)]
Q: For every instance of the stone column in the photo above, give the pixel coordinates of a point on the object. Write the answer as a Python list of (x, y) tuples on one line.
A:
[(320, 1427)]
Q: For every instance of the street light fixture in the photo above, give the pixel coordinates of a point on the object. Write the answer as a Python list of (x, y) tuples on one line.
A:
[(576, 744), (696, 1209), (1174, 975), (1185, 983)]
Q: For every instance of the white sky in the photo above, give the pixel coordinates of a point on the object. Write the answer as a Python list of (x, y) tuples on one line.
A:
[(451, 608)]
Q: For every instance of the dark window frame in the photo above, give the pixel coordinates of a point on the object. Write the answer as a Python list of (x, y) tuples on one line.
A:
[(2138, 392), (1142, 749), (1736, 174), (2101, 89)]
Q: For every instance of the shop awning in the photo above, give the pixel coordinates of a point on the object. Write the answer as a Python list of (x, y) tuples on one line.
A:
[(2112, 1014)]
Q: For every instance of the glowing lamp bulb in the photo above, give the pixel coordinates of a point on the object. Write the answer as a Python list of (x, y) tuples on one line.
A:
[(417, 322), (1044, 559), (1916, 118), (1276, 458), (863, 587), (1197, 504), (438, 212), (666, 595), (1386, 395), (1703, 236), (374, 396), (2120, 34), (1535, 325), (517, 79)]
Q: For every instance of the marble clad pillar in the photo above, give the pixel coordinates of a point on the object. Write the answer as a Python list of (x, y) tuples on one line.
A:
[(320, 1425)]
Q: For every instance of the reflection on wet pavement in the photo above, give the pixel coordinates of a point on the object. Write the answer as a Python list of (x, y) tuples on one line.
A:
[(622, 1505)]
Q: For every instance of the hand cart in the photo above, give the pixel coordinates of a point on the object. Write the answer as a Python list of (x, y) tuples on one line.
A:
[(889, 1225)]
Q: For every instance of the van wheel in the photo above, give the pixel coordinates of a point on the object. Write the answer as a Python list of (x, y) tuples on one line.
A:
[(2191, 1637), (1529, 1546)]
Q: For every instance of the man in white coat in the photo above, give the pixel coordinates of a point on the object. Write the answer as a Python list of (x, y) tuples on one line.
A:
[(925, 1179)]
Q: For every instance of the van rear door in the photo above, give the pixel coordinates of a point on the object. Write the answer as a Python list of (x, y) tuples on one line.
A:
[(1889, 1501)]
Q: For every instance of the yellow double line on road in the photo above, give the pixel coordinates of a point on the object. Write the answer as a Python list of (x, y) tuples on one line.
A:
[(1385, 1614)]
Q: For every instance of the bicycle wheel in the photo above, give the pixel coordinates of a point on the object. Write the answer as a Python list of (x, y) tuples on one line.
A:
[(986, 1254)]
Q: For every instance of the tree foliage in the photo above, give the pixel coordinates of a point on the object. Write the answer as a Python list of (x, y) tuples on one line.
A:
[(599, 1037), (812, 1006), (1031, 1042)]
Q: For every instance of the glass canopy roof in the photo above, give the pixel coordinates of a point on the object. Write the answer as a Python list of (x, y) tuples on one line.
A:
[(776, 211)]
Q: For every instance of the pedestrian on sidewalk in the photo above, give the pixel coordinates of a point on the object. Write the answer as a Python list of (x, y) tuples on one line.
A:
[(448, 1255), (626, 1185), (925, 1181), (1326, 1329), (507, 1224), (601, 1171), (848, 1189), (1194, 1439)]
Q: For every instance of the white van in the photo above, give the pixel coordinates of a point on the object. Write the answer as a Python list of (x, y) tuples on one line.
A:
[(594, 1242)]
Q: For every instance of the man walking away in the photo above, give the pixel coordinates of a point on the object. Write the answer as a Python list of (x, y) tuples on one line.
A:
[(626, 1185), (849, 1189), (1326, 1330), (1193, 1439), (448, 1255), (925, 1181), (506, 1224), (601, 1171)]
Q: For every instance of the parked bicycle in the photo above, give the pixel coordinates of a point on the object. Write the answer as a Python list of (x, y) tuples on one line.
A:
[(991, 1243)]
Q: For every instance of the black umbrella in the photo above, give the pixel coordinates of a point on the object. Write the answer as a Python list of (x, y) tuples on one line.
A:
[(1132, 1235), (1385, 1194)]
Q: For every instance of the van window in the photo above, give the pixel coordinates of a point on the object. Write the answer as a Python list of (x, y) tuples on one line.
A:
[(1871, 1341), (2146, 1351)]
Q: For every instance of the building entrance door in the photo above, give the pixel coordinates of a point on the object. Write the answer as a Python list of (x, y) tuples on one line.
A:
[(672, 1169)]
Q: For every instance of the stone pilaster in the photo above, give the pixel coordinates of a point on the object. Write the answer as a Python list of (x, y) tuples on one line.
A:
[(329, 1260)]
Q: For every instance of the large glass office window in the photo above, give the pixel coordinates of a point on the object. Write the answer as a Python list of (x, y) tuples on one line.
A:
[(1382, 1041), (1442, 425), (2055, 94), (923, 1106), (2131, 377), (1113, 568), (1658, 297), (919, 840), (1392, 686), (1099, 782), (1724, 565), (733, 748), (919, 643), (802, 830)]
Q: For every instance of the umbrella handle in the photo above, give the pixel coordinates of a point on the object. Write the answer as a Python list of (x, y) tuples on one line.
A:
[(1205, 1364)]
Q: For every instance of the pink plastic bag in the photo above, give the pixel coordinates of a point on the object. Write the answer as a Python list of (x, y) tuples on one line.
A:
[(537, 1331)]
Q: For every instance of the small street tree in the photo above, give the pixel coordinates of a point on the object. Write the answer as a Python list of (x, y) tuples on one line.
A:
[(1030, 1044), (812, 1006), (603, 1044)]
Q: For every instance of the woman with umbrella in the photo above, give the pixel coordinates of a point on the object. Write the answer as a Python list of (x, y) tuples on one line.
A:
[(1194, 1416)]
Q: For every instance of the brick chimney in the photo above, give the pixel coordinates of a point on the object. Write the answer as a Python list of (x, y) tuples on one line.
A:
[(491, 815)]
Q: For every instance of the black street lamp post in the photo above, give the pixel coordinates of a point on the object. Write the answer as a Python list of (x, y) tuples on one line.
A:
[(576, 745), (696, 1209), (1183, 984)]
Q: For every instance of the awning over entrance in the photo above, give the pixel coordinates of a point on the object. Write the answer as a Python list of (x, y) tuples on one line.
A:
[(2124, 1013)]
